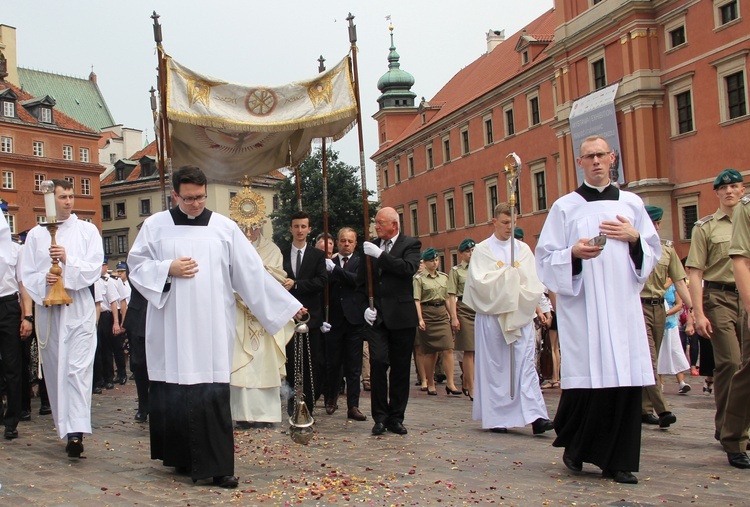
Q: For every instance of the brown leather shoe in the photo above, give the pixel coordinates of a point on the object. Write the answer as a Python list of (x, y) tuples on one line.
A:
[(331, 408), (366, 385), (356, 414)]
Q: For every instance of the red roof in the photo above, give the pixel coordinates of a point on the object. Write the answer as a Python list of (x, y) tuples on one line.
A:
[(106, 136), (61, 119), (484, 74)]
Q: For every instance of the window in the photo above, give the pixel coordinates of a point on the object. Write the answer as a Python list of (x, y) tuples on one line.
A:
[(401, 220), (122, 243), (731, 72), (410, 165), (8, 183), (534, 117), (465, 141), (491, 197), (397, 169), (67, 153), (726, 11), (38, 179), (11, 219), (414, 221), (736, 95), (432, 203), (430, 162), (106, 212), (83, 154), (112, 158), (85, 186), (38, 149), (107, 240), (688, 215), (600, 75), (41, 219), (442, 262), (6, 145), (72, 181), (145, 207), (469, 207), (45, 115), (385, 177), (454, 258), (510, 127), (120, 209), (524, 57), (683, 103), (488, 139), (675, 32), (450, 212), (9, 109), (446, 150), (677, 36), (539, 180)]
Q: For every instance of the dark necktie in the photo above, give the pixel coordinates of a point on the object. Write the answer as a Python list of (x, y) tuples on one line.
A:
[(388, 246), (346, 261), (299, 262)]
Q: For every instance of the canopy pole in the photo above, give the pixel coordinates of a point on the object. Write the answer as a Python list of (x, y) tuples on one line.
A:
[(324, 162), (165, 152), (296, 179), (362, 175)]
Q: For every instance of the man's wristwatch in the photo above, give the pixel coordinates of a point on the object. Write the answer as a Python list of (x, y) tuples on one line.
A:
[(29, 318)]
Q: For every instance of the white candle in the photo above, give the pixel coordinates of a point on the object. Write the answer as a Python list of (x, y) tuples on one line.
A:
[(48, 188)]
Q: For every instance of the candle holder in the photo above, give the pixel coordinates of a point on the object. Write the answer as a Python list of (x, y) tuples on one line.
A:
[(57, 294)]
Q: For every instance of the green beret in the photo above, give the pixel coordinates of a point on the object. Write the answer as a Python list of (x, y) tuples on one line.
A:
[(518, 233), (466, 244), (655, 212), (726, 177), (429, 254)]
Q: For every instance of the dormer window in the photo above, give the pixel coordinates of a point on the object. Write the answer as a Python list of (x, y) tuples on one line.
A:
[(524, 58), (45, 115), (9, 109)]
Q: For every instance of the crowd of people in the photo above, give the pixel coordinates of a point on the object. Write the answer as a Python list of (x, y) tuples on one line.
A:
[(205, 312)]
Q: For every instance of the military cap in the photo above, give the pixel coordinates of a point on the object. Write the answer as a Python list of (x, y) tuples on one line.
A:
[(105, 261), (429, 254), (466, 244), (726, 177), (121, 267), (518, 233), (655, 212)]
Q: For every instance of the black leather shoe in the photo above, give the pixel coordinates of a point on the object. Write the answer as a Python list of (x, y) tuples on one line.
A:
[(226, 481), (45, 410), (122, 380), (141, 417), (97, 390), (620, 476), (25, 415), (74, 447), (649, 419), (736, 459), (10, 433), (499, 430), (109, 385), (541, 425), (572, 464), (397, 428), (666, 419), (378, 429), (440, 378)]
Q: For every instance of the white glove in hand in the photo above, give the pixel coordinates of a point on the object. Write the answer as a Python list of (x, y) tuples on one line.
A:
[(372, 249), (370, 314), (326, 326), (330, 265)]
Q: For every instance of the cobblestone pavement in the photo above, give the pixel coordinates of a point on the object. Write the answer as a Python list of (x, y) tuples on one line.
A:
[(445, 459)]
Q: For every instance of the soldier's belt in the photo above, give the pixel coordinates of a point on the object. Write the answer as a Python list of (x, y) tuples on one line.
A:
[(653, 301), (729, 287)]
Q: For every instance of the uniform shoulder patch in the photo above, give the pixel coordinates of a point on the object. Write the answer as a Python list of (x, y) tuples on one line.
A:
[(418, 276), (454, 268), (667, 242), (704, 220), (745, 199), (444, 274)]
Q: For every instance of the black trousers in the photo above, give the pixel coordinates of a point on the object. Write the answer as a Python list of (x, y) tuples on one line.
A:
[(139, 367), (11, 352), (389, 350), (344, 350), (317, 352), (103, 368)]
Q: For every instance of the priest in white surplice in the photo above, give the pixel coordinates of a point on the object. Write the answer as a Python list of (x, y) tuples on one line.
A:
[(604, 348), (188, 262), (66, 333), (506, 393)]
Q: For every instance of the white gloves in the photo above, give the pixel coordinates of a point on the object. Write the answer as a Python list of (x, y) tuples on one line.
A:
[(326, 326), (372, 249), (370, 314), (330, 265)]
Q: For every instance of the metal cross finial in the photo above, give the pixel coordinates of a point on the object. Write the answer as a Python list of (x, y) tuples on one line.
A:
[(352, 29), (152, 91), (321, 64), (157, 28)]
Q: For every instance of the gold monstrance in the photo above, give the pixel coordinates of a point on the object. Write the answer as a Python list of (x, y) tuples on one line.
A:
[(57, 294)]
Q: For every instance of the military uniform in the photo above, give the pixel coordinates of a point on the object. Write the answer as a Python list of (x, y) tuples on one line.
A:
[(431, 291), (709, 252), (456, 281), (734, 431), (652, 301)]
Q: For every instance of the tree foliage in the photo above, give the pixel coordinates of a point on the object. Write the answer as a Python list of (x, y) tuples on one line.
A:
[(344, 198)]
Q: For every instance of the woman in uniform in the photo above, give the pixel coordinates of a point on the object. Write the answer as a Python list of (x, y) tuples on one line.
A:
[(462, 317)]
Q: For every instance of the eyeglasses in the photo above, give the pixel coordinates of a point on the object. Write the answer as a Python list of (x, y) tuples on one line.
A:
[(598, 154), (200, 199)]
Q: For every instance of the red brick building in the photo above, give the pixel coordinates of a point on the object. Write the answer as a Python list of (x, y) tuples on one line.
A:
[(681, 111)]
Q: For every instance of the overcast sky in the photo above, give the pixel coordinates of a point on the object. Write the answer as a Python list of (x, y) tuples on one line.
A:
[(260, 43)]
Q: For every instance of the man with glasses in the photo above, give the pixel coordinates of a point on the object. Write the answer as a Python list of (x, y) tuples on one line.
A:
[(188, 262), (716, 302), (597, 248)]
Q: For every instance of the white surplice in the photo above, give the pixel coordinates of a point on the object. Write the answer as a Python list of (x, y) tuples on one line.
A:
[(190, 328), (259, 357), (599, 316), (66, 333), (505, 300)]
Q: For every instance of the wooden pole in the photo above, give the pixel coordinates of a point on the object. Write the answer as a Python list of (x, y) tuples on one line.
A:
[(324, 162), (164, 147)]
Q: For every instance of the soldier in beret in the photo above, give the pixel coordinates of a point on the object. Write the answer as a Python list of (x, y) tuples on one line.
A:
[(652, 302), (518, 233), (716, 302), (462, 316)]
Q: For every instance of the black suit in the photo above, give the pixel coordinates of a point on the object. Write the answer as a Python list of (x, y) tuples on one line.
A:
[(309, 284), (391, 339), (344, 340), (135, 324)]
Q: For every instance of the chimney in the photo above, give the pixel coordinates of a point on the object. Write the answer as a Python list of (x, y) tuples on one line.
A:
[(92, 76), (494, 38)]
